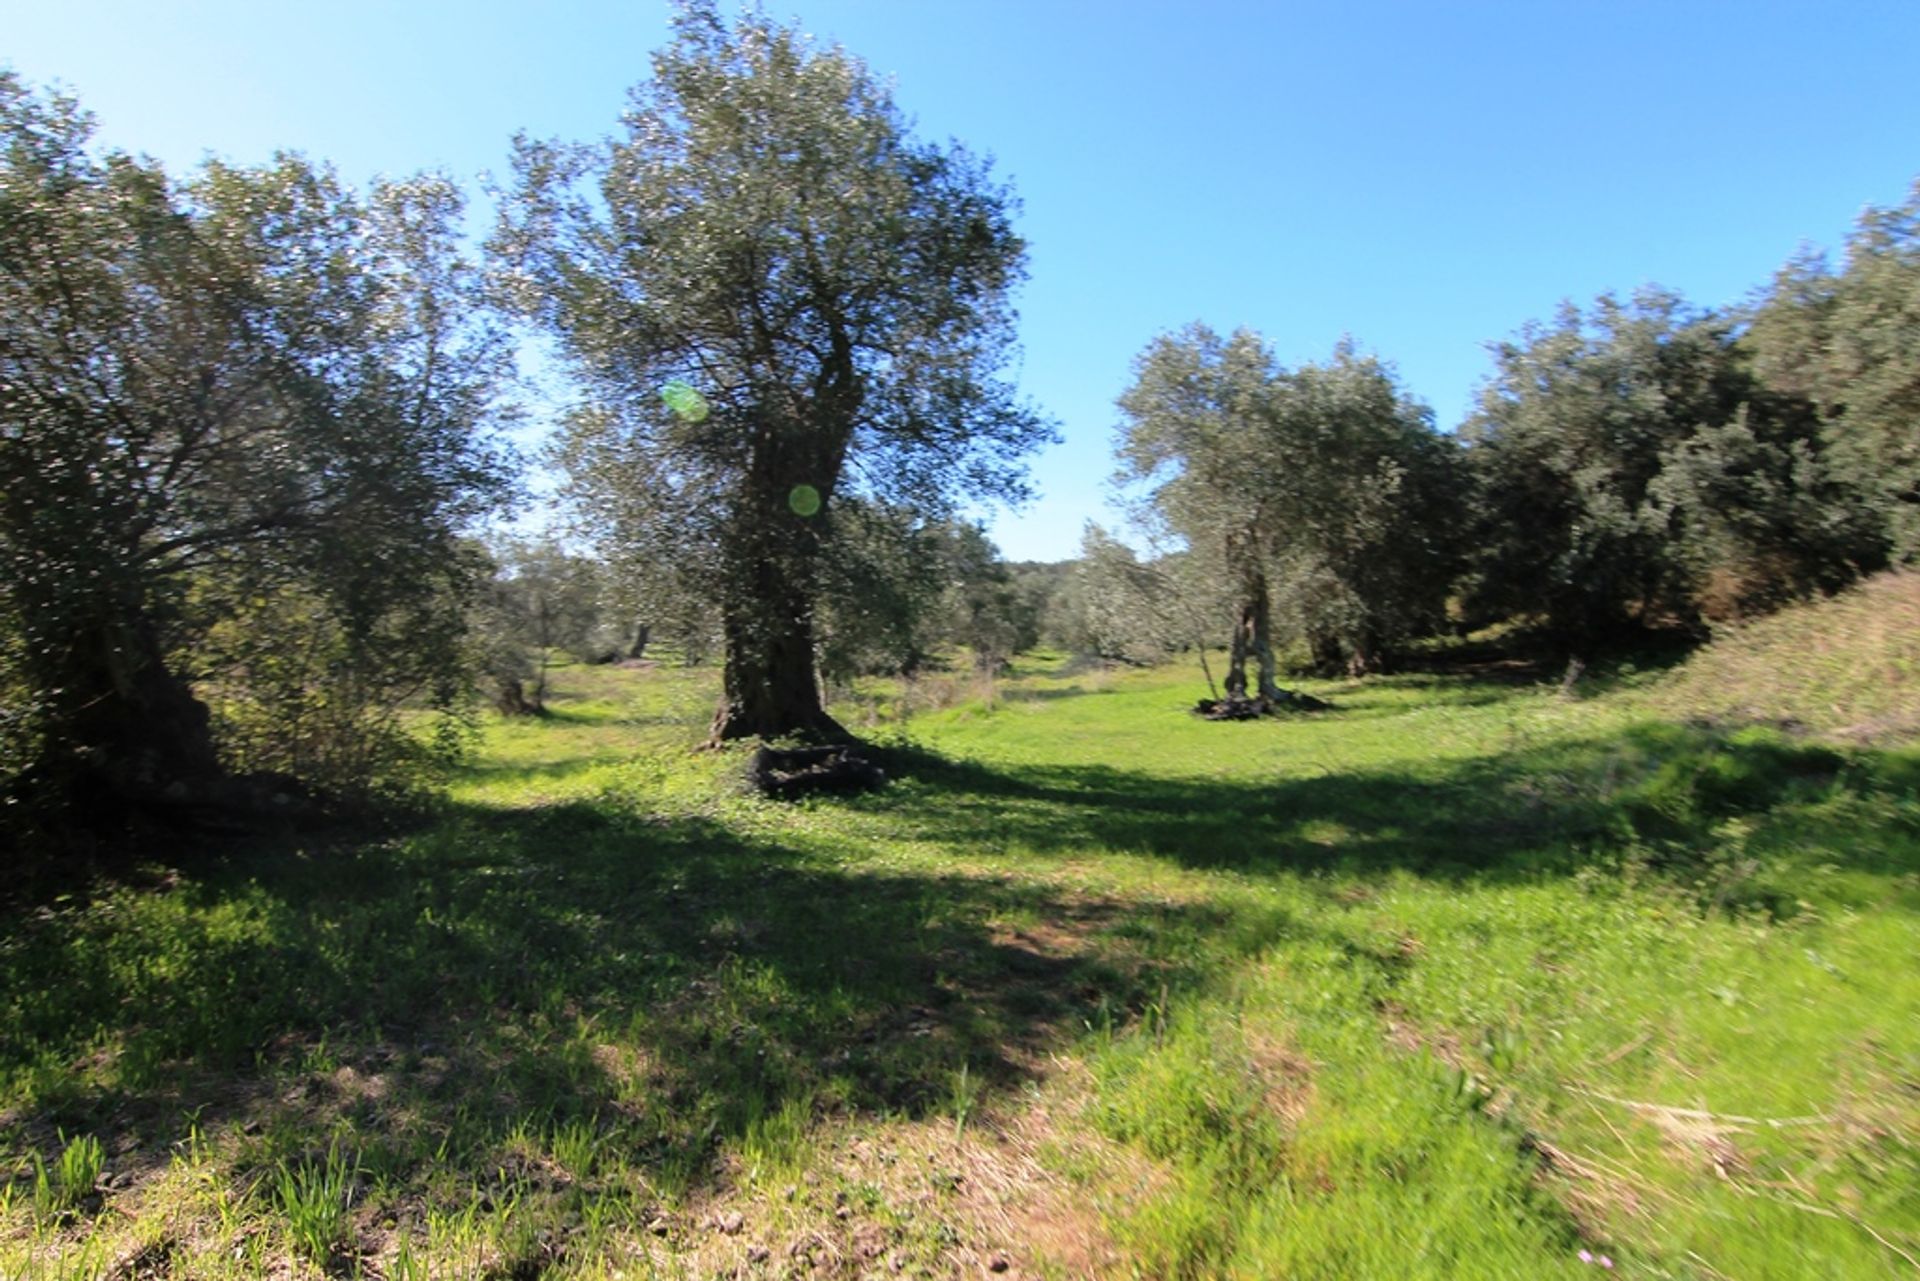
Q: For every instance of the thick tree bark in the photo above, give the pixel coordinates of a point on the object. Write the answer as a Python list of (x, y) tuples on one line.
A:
[(510, 698), (1252, 636), (642, 632), (769, 686)]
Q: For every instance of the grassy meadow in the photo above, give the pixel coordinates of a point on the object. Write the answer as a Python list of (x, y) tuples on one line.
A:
[(1471, 976)]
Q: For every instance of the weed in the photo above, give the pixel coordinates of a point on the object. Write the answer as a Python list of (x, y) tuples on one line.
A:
[(62, 1188), (314, 1198)]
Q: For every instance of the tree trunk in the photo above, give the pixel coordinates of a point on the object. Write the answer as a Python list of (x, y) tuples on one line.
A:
[(510, 698), (769, 685), (1252, 636), (121, 720), (641, 633), (770, 562)]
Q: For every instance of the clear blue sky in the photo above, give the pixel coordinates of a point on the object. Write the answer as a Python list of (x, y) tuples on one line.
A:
[(1424, 176)]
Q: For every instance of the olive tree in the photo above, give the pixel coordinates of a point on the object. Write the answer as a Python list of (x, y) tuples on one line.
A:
[(1323, 493), (248, 393), (1633, 468), (1850, 342), (773, 296), (1198, 427)]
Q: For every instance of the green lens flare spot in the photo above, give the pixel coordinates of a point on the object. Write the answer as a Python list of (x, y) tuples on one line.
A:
[(805, 500), (684, 400)]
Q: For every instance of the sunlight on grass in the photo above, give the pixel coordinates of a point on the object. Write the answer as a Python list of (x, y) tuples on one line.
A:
[(1458, 979)]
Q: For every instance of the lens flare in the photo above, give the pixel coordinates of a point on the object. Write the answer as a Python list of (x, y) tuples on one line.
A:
[(683, 399), (805, 500)]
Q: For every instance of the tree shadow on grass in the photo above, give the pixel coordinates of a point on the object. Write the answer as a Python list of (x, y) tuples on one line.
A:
[(674, 986), (1498, 817)]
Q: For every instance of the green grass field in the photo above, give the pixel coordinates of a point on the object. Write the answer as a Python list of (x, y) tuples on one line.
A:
[(1465, 978)]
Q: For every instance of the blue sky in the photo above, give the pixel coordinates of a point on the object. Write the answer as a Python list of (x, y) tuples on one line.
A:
[(1424, 176)]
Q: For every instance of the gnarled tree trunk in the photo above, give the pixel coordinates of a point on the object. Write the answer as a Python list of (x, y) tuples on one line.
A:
[(770, 689), (1252, 637)]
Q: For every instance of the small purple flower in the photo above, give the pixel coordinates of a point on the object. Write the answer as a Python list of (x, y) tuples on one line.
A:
[(1605, 1262), (1586, 1256)]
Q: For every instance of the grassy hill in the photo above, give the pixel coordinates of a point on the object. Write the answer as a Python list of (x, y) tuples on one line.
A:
[(1459, 979), (1847, 667)]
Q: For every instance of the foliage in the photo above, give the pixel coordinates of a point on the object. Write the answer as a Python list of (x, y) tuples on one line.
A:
[(1631, 468), (540, 598), (250, 386), (1326, 483), (1850, 342), (1143, 611), (986, 612), (298, 691), (777, 297), (881, 590), (900, 588), (1370, 515)]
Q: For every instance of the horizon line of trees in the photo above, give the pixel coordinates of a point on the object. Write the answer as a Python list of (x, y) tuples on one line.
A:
[(251, 420)]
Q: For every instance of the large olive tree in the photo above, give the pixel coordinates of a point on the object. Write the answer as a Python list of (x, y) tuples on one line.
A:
[(772, 295)]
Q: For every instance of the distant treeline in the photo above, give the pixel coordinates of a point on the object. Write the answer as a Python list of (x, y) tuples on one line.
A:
[(1632, 465)]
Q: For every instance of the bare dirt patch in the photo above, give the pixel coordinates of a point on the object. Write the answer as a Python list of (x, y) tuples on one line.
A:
[(918, 1199)]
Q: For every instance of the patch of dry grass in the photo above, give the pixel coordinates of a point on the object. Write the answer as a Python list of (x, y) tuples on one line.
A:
[(1847, 667)]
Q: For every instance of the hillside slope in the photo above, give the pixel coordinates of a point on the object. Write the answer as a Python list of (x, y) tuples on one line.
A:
[(1847, 667)]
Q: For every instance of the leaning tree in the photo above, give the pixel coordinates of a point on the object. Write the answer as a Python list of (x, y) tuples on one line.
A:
[(772, 296)]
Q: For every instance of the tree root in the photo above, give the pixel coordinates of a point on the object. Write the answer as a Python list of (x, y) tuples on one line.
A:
[(1247, 709), (794, 771)]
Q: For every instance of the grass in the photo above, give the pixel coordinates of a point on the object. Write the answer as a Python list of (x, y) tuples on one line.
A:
[(1462, 978), (313, 1199)]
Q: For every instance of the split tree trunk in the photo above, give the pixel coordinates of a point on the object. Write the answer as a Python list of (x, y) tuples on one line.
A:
[(1253, 637)]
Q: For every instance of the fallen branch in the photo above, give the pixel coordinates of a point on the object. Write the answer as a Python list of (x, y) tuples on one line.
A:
[(1627, 1049)]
